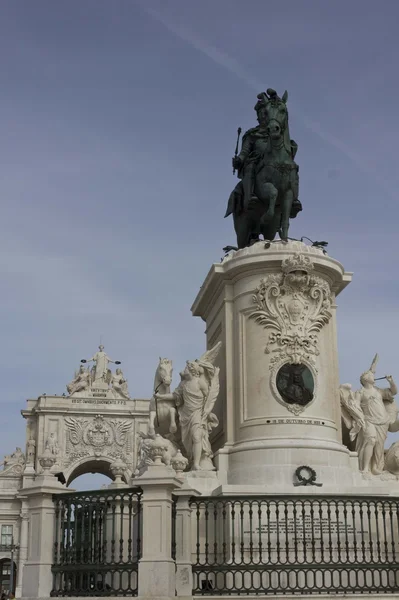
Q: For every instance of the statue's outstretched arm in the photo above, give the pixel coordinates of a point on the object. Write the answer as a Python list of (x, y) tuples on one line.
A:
[(392, 385), (389, 392)]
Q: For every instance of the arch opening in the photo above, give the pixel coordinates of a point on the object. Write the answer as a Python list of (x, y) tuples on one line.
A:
[(90, 466), (6, 586)]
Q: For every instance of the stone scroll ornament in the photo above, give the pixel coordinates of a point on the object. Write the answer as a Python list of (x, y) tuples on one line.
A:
[(294, 306)]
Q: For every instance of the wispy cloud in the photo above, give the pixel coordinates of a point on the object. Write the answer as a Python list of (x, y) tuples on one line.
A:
[(224, 60)]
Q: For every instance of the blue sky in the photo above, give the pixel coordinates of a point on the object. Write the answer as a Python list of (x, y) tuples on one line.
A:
[(118, 122)]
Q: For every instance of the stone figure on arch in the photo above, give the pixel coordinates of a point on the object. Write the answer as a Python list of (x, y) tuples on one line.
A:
[(100, 371), (195, 398), (369, 414), (81, 381), (52, 443), (119, 384)]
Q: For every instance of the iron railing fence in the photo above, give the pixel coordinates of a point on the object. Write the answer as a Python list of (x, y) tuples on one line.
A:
[(295, 545), (97, 543)]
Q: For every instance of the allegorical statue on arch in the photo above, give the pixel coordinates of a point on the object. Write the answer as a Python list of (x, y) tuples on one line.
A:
[(99, 378)]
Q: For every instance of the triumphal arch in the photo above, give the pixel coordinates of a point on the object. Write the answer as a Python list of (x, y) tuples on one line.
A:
[(91, 429)]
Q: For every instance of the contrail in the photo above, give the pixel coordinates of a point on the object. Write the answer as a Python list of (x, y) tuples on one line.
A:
[(220, 58), (233, 66)]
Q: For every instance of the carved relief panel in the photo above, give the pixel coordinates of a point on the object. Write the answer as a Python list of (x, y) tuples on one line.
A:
[(96, 437), (293, 306)]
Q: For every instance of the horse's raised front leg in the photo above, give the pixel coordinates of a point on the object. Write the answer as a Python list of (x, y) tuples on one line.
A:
[(172, 414), (151, 424), (285, 214)]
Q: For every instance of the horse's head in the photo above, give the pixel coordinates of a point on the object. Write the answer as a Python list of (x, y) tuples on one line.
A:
[(272, 113), (165, 370)]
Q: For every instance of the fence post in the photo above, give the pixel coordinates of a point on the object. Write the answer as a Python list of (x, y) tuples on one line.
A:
[(184, 542), (37, 576), (157, 576)]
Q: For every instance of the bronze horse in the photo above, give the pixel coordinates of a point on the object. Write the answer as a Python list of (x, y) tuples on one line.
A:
[(267, 195)]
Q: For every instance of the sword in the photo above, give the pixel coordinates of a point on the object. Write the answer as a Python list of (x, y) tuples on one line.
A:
[(238, 141)]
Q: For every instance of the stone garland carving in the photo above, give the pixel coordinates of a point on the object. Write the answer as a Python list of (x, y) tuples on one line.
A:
[(97, 437), (368, 415), (294, 306)]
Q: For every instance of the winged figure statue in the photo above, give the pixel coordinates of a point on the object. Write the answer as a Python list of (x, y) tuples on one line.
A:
[(368, 415), (195, 399)]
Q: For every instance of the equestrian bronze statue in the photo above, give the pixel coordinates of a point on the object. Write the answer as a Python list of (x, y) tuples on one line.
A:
[(266, 196)]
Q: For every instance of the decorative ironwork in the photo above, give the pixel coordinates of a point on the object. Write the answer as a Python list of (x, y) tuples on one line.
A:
[(97, 543), (295, 544), (173, 523)]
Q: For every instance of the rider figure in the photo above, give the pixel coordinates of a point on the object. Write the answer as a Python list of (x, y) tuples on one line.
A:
[(249, 161)]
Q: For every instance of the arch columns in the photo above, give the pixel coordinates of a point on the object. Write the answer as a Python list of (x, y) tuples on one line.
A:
[(23, 547)]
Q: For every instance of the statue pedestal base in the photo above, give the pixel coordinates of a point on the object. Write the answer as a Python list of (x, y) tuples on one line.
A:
[(279, 408), (204, 482)]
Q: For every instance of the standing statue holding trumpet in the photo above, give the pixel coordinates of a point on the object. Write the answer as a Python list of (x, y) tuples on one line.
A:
[(369, 414)]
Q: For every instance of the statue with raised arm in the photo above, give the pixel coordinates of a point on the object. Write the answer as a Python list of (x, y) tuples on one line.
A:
[(81, 381), (195, 398), (369, 414), (100, 372)]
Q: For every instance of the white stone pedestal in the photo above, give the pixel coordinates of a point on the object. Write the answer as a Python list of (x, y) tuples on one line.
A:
[(157, 569), (262, 439), (37, 576)]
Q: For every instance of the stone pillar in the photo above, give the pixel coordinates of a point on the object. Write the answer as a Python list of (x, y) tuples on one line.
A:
[(157, 577), (273, 307), (184, 542), (37, 576), (23, 547)]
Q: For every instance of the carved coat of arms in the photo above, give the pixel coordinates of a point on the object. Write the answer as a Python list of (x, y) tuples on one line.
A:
[(294, 305), (97, 437)]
